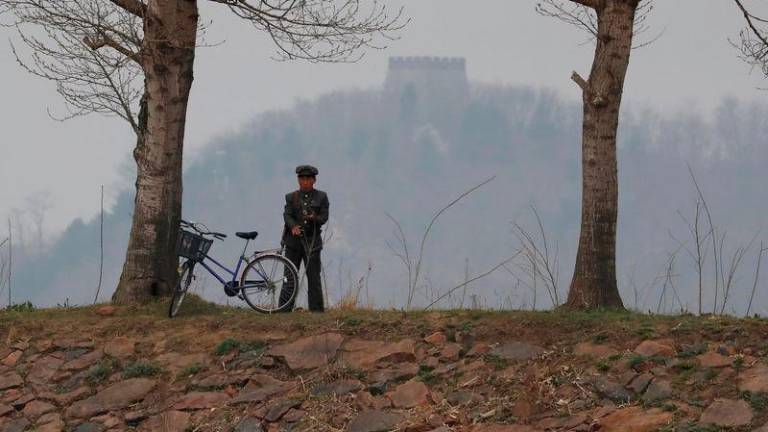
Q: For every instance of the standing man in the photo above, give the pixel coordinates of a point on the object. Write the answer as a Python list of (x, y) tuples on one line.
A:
[(306, 210)]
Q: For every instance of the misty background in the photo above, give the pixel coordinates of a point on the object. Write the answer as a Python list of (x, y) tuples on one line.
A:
[(406, 150)]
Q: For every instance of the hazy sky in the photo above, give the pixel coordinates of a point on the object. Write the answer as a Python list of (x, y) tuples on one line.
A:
[(691, 67)]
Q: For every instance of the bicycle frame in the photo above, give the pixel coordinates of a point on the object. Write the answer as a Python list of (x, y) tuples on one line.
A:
[(234, 273)]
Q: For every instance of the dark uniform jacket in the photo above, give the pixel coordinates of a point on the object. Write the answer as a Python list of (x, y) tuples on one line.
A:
[(298, 204)]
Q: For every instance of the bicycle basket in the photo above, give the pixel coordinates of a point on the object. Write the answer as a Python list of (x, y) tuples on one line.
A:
[(192, 246)]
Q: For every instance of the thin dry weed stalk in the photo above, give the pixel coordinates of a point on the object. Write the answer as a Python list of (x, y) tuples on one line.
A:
[(413, 265)]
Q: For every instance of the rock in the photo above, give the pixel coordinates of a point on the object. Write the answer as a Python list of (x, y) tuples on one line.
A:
[(89, 427), (451, 352), (54, 425), (589, 349), (201, 400), (83, 361), (18, 425), (713, 360), (293, 415), (5, 409), (116, 396), (65, 399), (661, 347), (640, 383), (658, 390), (261, 389), (10, 380), (338, 388), (409, 395), (249, 424), (120, 347), (634, 419), (402, 371), (221, 380), (36, 408), (11, 359), (479, 349), (106, 311), (309, 352), (754, 379), (763, 428), (169, 421), (23, 400), (276, 410), (495, 427), (611, 389), (436, 339), (44, 369), (727, 413), (362, 354), (374, 421), (517, 351)]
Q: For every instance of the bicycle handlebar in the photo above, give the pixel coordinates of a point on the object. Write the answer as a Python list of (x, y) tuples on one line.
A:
[(196, 227)]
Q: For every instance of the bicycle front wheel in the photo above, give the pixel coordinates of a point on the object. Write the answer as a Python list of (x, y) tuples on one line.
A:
[(185, 279), (269, 283)]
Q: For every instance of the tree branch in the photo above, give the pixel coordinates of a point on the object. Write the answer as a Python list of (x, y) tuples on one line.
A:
[(105, 40), (581, 82), (135, 7)]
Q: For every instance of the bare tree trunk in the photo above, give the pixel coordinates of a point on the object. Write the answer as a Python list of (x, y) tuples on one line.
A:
[(150, 268), (594, 278)]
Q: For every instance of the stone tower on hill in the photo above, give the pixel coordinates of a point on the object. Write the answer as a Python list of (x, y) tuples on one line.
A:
[(445, 76)]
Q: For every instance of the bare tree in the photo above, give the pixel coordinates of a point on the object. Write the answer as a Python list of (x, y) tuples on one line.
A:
[(612, 24), (754, 38), (38, 205), (134, 59)]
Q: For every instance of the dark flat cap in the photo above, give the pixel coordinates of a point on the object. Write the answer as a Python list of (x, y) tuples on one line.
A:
[(306, 171)]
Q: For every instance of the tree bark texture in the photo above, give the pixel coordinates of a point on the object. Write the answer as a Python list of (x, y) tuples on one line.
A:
[(594, 277), (167, 57)]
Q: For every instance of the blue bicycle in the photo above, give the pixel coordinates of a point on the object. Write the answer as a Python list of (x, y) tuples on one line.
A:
[(268, 283)]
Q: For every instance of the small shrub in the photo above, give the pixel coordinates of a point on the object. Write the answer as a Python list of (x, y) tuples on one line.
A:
[(685, 366), (140, 369), (101, 371), (757, 401), (226, 346), (693, 350), (352, 322), (425, 374), (614, 357), (27, 306), (738, 362), (497, 362), (602, 366), (600, 338), (190, 370)]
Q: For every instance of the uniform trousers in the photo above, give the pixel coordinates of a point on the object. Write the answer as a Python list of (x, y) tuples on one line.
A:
[(314, 284)]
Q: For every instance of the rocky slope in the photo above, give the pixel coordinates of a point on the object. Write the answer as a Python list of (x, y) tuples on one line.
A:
[(228, 370)]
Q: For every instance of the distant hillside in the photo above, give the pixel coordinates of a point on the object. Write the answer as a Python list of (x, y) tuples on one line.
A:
[(409, 151)]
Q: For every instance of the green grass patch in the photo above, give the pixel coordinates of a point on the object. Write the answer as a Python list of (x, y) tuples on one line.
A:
[(497, 362), (757, 401), (191, 370), (693, 350), (228, 345), (99, 373), (602, 366), (140, 369), (425, 374)]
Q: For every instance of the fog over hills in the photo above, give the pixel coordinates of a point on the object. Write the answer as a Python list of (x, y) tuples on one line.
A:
[(427, 135)]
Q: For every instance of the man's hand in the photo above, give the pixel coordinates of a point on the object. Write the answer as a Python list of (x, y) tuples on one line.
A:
[(296, 230)]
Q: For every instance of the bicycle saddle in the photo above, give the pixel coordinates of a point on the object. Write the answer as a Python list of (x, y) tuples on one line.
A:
[(250, 235)]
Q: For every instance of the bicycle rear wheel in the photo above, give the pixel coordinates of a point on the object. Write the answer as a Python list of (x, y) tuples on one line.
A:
[(185, 279), (269, 283)]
